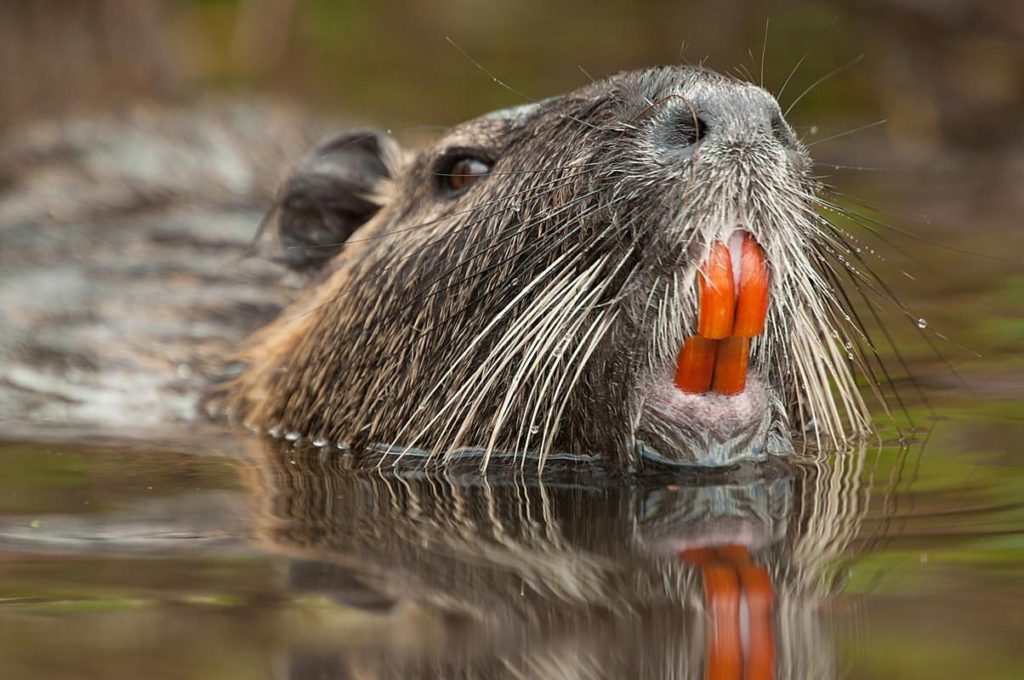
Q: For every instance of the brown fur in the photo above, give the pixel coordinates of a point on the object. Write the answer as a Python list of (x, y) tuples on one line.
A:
[(540, 310)]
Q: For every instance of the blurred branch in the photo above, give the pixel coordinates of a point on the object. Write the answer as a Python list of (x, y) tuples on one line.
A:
[(262, 33), (60, 55)]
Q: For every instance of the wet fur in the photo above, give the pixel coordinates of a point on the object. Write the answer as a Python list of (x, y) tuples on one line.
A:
[(539, 311)]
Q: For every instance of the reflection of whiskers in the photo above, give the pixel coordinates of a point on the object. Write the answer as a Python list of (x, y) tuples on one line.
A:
[(524, 538), (838, 505), (449, 534), (582, 574)]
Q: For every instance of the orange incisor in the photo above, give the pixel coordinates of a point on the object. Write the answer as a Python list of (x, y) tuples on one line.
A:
[(696, 365), (731, 365), (752, 297), (717, 295), (728, 316)]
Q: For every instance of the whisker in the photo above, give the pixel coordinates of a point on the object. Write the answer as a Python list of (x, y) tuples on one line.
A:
[(821, 37), (864, 337), (883, 121), (511, 89), (421, 248), (821, 80), (534, 259), (914, 235), (764, 51)]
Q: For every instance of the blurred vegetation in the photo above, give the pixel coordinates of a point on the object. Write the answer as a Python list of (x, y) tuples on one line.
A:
[(930, 66)]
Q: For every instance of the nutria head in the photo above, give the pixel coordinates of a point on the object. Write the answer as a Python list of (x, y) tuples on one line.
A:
[(526, 284)]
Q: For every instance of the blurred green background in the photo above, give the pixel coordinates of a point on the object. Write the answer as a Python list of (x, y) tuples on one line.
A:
[(929, 68)]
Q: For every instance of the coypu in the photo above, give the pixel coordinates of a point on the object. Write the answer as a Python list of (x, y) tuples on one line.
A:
[(570, 275)]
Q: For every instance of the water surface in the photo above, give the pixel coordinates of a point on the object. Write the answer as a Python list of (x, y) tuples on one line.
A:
[(896, 560)]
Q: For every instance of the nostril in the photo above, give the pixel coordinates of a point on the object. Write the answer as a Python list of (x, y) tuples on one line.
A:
[(781, 131), (689, 129)]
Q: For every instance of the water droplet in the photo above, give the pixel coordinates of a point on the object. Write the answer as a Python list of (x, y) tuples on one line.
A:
[(291, 435), (534, 429), (319, 441), (922, 323)]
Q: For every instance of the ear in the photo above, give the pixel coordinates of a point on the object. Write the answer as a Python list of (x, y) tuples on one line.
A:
[(332, 193)]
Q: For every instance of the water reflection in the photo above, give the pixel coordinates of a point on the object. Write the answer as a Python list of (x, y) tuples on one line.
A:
[(721, 577)]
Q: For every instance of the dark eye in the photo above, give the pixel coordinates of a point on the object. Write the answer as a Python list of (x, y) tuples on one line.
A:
[(459, 173)]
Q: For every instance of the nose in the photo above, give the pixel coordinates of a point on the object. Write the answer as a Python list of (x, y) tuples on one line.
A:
[(744, 115)]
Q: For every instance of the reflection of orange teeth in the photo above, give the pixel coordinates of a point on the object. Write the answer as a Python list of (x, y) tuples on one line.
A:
[(731, 579), (759, 659), (722, 598), (752, 297), (717, 294), (695, 364), (728, 315)]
